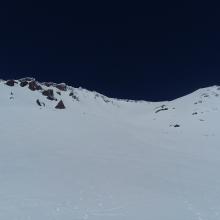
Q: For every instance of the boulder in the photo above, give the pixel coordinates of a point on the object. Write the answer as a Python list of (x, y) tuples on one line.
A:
[(38, 102), (60, 105), (33, 85), (10, 82), (195, 113), (48, 93), (23, 83)]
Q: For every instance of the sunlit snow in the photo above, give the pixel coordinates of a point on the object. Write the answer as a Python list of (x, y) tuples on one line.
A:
[(105, 159)]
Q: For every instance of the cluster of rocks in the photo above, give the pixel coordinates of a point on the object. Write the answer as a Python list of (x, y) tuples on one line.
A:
[(30, 82), (74, 96), (33, 85)]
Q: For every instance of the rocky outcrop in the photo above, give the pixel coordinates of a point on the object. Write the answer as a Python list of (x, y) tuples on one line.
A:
[(49, 90), (60, 105)]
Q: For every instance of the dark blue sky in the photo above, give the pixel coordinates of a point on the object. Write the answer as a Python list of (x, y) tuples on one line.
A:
[(153, 51)]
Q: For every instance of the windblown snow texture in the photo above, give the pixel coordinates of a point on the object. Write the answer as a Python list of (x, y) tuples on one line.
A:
[(99, 158)]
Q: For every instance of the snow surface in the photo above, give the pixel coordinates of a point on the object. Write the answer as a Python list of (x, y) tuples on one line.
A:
[(108, 159)]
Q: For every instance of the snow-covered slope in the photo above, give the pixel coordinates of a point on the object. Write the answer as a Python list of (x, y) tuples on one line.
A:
[(93, 157)]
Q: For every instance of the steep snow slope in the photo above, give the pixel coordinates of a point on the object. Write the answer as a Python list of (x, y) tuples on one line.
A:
[(102, 158)]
